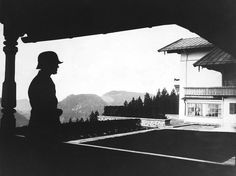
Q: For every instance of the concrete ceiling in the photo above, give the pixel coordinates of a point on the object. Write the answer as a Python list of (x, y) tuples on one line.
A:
[(40, 20)]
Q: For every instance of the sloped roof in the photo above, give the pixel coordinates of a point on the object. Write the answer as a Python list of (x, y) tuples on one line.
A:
[(215, 57), (186, 44)]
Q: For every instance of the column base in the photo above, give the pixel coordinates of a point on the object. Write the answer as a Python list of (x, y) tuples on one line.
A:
[(8, 122)]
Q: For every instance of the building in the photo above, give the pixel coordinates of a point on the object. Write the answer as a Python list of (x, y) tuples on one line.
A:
[(207, 82)]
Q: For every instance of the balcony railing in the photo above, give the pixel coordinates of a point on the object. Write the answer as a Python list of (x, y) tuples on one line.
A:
[(210, 91)]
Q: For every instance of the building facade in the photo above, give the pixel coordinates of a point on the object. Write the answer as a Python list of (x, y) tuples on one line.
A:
[(207, 82)]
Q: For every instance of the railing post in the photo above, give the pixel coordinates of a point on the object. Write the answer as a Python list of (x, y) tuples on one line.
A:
[(8, 121)]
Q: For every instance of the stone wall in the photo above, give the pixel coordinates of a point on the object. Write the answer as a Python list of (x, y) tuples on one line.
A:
[(145, 122)]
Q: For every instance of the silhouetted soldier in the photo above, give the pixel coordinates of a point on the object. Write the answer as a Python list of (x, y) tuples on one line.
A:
[(44, 119)]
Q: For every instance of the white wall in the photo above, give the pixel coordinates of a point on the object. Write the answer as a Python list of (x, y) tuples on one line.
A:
[(229, 122), (228, 116), (193, 77)]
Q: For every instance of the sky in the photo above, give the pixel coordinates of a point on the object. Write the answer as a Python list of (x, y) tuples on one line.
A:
[(97, 64)]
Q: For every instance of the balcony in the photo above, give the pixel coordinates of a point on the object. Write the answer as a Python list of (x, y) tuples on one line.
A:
[(210, 91)]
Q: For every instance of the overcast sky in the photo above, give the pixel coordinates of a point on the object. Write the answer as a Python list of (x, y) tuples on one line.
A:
[(97, 64)]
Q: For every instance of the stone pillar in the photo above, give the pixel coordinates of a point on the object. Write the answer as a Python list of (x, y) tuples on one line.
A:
[(8, 121)]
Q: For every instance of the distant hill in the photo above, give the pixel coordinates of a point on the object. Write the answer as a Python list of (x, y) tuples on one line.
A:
[(23, 107), (21, 120), (117, 98), (80, 106)]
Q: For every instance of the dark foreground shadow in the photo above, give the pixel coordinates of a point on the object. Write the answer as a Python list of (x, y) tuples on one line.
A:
[(18, 157)]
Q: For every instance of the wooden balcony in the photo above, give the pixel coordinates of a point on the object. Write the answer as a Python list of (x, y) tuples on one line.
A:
[(210, 91)]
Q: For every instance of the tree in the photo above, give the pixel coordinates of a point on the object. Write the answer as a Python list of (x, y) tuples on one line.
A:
[(77, 120), (147, 100), (125, 103), (162, 103), (174, 99), (139, 107), (156, 105), (158, 93), (70, 120), (164, 92), (93, 117), (81, 120), (131, 108), (139, 102), (147, 106), (96, 114)]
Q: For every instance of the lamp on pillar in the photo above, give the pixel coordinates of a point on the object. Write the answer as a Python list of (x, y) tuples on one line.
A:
[(8, 121)]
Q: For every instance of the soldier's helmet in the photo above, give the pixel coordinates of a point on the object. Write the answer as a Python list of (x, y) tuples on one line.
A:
[(46, 59)]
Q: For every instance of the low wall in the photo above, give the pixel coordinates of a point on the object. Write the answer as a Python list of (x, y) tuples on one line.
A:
[(172, 116), (145, 122)]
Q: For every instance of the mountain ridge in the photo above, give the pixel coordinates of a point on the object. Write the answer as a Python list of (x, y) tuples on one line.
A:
[(80, 105), (117, 98), (21, 120)]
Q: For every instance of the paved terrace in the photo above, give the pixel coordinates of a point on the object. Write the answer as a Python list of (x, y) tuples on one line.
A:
[(138, 154)]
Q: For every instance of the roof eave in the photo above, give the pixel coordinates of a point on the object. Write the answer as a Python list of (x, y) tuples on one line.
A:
[(179, 51), (163, 48)]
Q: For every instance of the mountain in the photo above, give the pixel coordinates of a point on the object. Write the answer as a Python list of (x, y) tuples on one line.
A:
[(117, 98), (23, 107), (80, 106), (21, 120)]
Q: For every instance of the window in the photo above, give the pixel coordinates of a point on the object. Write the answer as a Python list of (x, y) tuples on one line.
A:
[(194, 109), (191, 109), (213, 110), (204, 109), (232, 108)]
